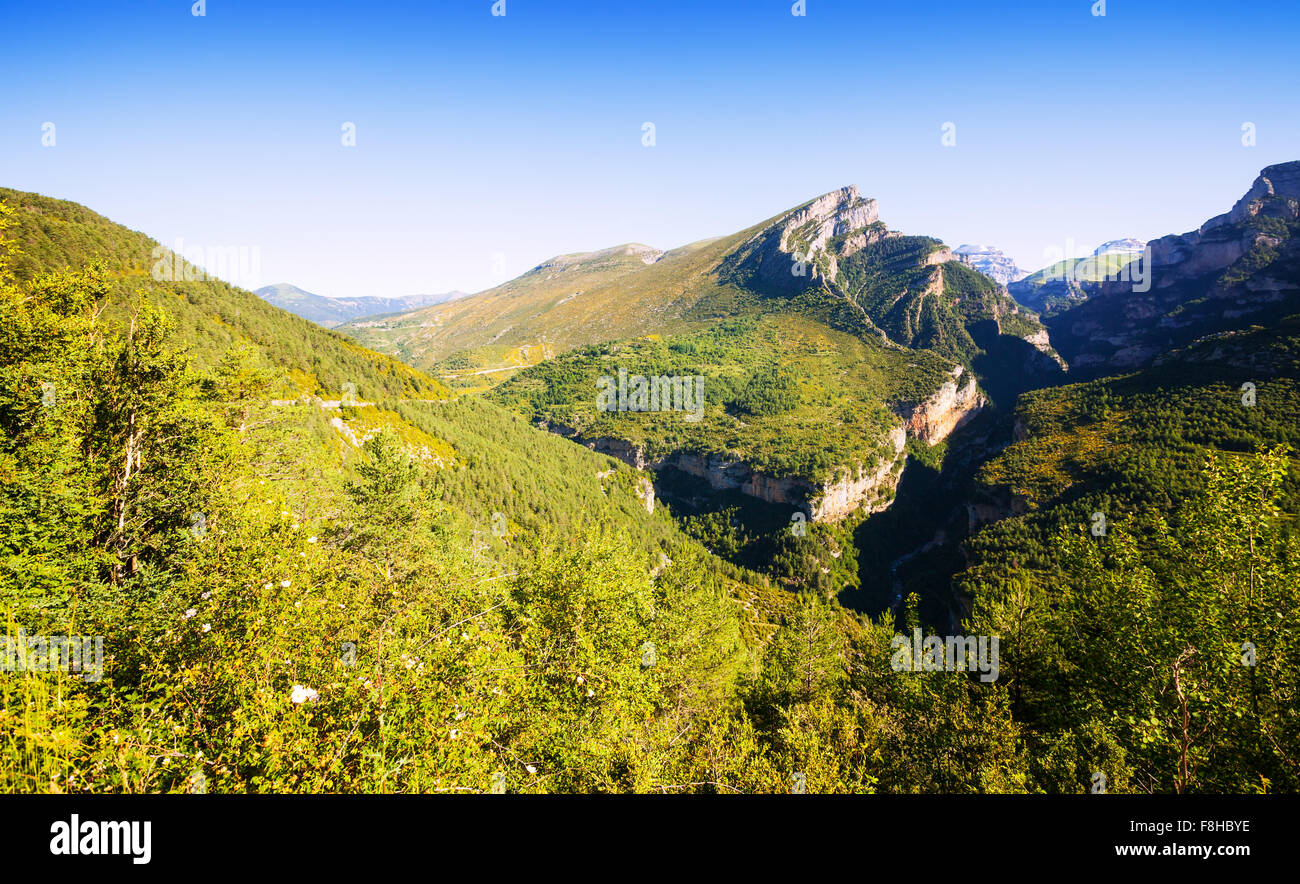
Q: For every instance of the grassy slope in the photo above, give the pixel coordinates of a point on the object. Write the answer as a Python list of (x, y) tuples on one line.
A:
[(554, 308), (785, 394), (1093, 268), (1132, 445), (210, 316), (485, 459)]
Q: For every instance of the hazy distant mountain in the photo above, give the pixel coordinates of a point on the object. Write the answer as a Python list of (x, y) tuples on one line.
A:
[(831, 258), (1130, 246), (330, 312), (1074, 280), (991, 262)]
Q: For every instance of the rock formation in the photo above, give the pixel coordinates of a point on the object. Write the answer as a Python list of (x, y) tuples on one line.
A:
[(860, 486), (1236, 269), (933, 420), (991, 262), (802, 247)]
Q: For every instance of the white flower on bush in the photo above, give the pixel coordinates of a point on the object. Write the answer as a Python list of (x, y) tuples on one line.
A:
[(303, 694), (284, 583), (190, 613), (207, 627)]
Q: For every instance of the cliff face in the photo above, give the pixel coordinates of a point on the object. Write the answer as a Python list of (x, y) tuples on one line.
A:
[(1224, 238), (1236, 269), (933, 420), (867, 487), (864, 487), (837, 213), (802, 247), (872, 490), (991, 262)]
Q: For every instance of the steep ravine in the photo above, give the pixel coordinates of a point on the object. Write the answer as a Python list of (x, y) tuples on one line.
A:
[(861, 487)]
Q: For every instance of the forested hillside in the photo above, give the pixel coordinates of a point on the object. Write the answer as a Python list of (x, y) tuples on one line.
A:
[(238, 557), (207, 315), (418, 591)]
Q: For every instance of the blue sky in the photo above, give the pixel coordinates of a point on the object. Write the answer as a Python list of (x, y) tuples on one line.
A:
[(485, 142)]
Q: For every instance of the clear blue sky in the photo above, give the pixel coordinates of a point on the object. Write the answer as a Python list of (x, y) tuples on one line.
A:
[(522, 135)]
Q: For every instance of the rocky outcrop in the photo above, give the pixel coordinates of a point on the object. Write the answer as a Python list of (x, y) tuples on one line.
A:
[(1042, 342), (1277, 187), (619, 449), (934, 420), (1221, 241), (867, 487), (644, 490), (863, 487), (802, 247), (1237, 269), (991, 262), (1180, 256), (869, 490)]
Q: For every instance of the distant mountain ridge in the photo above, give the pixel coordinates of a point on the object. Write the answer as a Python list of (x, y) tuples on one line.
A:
[(991, 262), (1237, 270), (1074, 280), (1129, 245), (820, 318), (830, 258), (330, 312)]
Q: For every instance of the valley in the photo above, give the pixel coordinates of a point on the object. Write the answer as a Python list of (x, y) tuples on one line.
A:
[(854, 433)]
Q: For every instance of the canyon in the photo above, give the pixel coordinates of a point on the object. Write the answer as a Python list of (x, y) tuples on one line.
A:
[(857, 487)]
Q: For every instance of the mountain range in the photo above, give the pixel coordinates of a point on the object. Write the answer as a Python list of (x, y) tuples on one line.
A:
[(1073, 280), (991, 262), (629, 290), (422, 552), (1235, 271), (330, 312)]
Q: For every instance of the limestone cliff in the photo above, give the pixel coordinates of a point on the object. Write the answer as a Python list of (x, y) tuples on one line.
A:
[(1235, 270), (867, 487), (934, 420), (802, 247), (864, 486)]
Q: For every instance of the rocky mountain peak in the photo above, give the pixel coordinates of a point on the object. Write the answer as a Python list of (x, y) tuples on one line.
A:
[(1129, 246), (1276, 190), (1235, 269), (1225, 238), (803, 245), (833, 214), (992, 262)]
